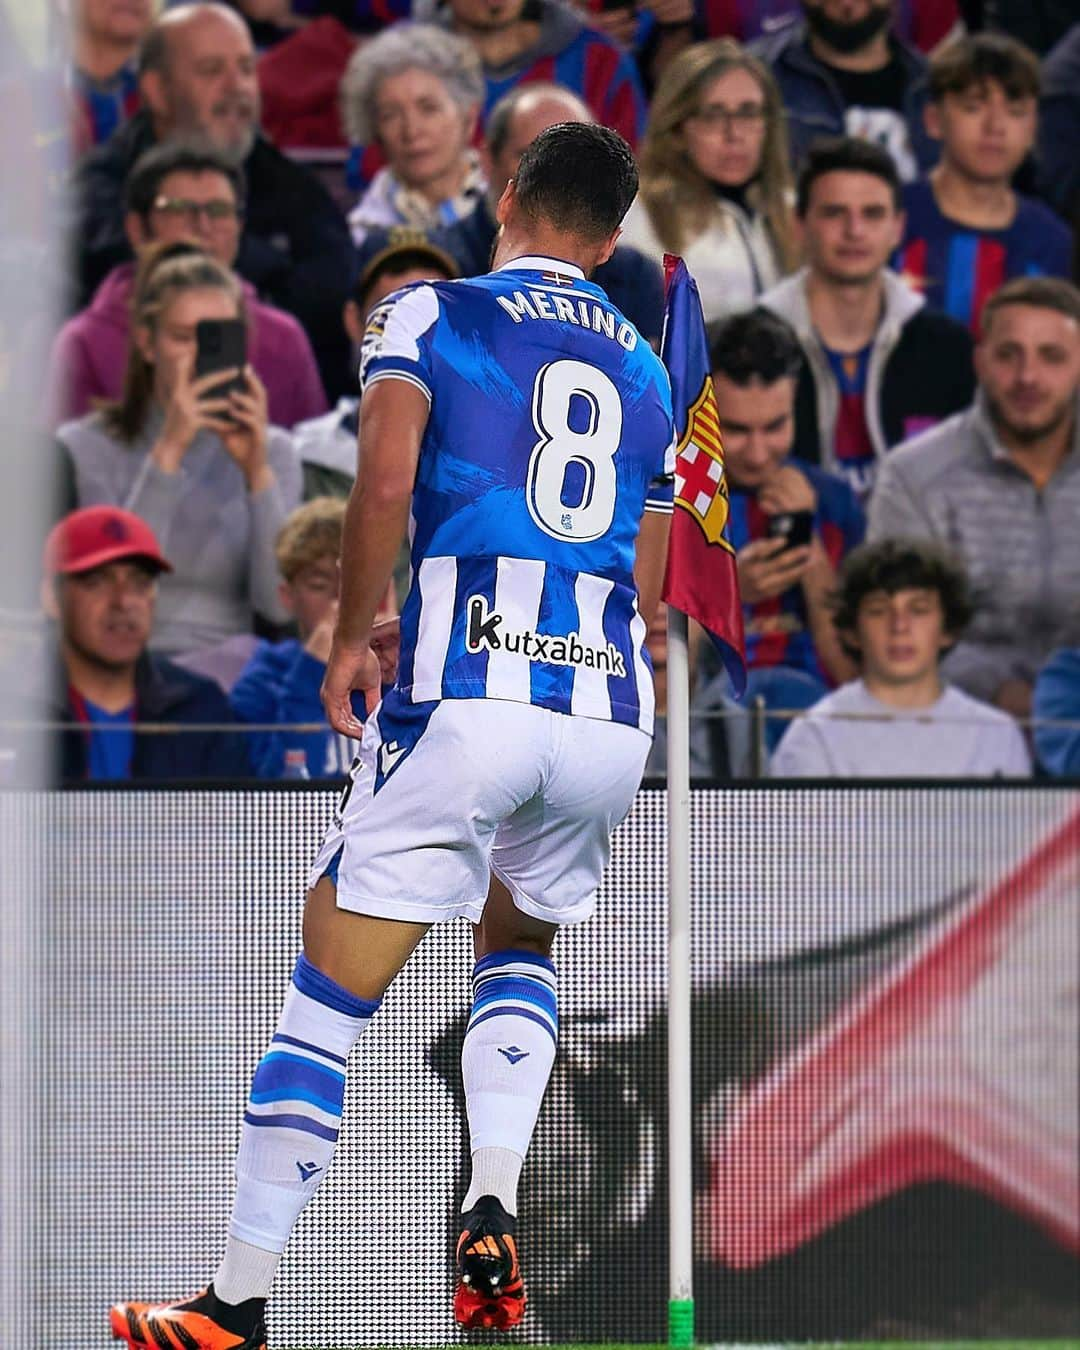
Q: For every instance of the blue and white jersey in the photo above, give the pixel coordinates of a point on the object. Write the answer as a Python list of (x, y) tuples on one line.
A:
[(550, 432)]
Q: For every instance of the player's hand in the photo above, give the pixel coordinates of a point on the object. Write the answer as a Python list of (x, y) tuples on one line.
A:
[(788, 489), (386, 644), (768, 568), (350, 667)]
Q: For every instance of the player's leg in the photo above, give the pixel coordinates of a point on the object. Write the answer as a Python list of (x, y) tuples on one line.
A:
[(291, 1124), (294, 1111), (510, 1043), (548, 859), (506, 1061)]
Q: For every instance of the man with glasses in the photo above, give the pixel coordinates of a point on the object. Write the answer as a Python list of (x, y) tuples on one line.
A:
[(177, 193), (197, 84)]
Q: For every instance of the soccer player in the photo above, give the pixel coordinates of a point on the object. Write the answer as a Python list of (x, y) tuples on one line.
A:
[(524, 427)]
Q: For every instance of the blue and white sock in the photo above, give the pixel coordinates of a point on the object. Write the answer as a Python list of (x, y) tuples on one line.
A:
[(290, 1126), (506, 1062)]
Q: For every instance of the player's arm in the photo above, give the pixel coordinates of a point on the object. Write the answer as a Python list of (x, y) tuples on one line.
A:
[(650, 560), (393, 416)]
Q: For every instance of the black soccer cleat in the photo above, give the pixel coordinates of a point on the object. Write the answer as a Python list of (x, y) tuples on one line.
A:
[(490, 1291)]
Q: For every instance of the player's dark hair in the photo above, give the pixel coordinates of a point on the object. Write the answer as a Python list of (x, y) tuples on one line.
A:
[(579, 177), (845, 154), (1039, 292), (969, 62), (154, 165), (892, 565), (756, 345)]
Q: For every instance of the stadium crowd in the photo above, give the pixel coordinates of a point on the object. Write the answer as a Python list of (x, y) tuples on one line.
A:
[(879, 200)]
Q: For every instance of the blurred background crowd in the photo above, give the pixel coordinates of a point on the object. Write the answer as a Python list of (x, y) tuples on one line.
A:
[(879, 200)]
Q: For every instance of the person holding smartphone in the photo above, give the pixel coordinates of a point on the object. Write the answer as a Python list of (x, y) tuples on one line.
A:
[(791, 523), (188, 448)]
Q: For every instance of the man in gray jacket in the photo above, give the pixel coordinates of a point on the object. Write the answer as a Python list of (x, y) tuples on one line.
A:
[(999, 484)]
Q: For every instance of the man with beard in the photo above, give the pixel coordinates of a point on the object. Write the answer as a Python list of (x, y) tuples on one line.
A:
[(844, 71), (999, 484), (198, 84)]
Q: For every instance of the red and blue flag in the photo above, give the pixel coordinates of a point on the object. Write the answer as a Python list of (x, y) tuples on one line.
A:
[(701, 578)]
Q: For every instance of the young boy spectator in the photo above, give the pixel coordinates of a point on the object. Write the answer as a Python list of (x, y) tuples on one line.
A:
[(793, 654), (880, 364), (844, 71), (1056, 712), (282, 680), (327, 445), (967, 230), (103, 79), (180, 193), (900, 606), (999, 485), (101, 566)]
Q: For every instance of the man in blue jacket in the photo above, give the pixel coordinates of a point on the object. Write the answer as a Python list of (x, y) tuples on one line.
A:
[(101, 566), (844, 72)]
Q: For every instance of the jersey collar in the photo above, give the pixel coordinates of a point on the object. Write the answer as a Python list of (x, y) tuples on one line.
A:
[(540, 264)]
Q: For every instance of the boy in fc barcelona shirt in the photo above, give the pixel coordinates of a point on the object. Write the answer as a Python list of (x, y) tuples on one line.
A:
[(967, 230)]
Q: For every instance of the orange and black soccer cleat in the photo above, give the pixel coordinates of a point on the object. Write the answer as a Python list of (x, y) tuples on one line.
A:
[(490, 1291), (203, 1323)]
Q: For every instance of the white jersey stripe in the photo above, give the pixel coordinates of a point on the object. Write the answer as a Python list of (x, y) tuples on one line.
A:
[(437, 579), (590, 697), (646, 691), (519, 585)]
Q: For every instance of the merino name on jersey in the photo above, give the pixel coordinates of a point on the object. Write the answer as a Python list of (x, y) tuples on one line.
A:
[(550, 432), (585, 313)]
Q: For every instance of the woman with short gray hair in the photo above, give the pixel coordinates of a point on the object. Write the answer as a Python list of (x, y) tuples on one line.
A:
[(415, 91)]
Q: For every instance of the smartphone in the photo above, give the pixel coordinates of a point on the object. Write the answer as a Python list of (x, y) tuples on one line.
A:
[(221, 345), (796, 527)]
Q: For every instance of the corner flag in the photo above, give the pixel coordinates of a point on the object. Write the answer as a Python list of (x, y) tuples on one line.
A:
[(701, 578)]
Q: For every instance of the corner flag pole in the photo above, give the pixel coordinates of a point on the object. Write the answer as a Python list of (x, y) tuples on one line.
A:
[(680, 1120)]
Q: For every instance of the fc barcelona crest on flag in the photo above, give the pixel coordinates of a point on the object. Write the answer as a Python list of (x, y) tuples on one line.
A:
[(700, 580), (700, 483)]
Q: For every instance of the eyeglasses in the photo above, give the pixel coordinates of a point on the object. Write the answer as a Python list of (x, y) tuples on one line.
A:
[(215, 211), (746, 117)]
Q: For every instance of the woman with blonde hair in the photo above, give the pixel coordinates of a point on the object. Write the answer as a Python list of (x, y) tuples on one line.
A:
[(715, 178), (202, 467)]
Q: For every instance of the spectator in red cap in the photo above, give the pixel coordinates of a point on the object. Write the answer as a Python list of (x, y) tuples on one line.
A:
[(101, 566)]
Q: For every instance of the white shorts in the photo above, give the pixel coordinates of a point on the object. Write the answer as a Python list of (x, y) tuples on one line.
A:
[(440, 795)]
